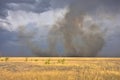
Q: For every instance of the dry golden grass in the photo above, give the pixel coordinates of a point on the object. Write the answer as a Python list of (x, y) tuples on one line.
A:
[(59, 68)]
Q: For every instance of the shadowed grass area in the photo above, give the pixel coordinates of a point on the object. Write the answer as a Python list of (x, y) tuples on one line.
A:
[(59, 68)]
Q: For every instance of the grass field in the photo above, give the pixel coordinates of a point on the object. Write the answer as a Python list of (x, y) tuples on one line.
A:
[(59, 68)]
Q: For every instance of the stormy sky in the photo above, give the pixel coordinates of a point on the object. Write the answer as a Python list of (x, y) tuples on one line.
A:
[(50, 27)]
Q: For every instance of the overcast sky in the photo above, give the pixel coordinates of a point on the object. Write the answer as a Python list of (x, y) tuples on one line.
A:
[(38, 16)]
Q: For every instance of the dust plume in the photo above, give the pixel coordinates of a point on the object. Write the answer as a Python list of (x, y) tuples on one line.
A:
[(78, 40), (71, 31), (27, 38)]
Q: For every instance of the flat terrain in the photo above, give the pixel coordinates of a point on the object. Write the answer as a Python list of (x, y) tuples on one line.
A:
[(59, 68)]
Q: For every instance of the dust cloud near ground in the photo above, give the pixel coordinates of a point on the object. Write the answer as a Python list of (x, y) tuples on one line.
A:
[(76, 38)]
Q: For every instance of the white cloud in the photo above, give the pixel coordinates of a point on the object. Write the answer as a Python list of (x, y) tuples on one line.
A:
[(20, 17)]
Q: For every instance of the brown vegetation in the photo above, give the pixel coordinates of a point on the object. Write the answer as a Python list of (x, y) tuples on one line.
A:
[(72, 69)]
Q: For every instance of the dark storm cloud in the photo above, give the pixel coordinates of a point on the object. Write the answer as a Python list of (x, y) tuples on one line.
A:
[(10, 45), (43, 5), (6, 36), (112, 6), (3, 5), (26, 5), (112, 46), (37, 7), (112, 3), (90, 5)]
